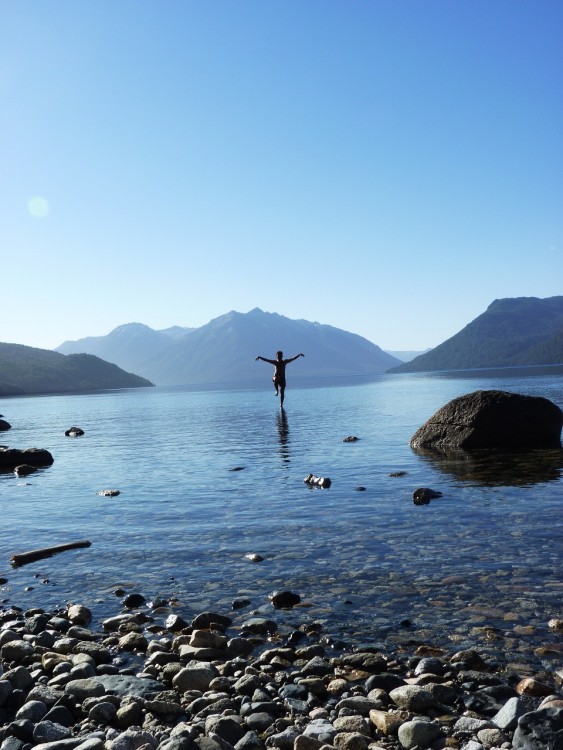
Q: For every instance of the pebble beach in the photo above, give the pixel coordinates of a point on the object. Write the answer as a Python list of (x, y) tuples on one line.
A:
[(146, 679)]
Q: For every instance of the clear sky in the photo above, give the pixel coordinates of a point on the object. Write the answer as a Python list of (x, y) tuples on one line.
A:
[(389, 167)]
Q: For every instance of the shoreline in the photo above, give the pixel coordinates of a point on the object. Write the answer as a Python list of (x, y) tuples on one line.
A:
[(147, 678)]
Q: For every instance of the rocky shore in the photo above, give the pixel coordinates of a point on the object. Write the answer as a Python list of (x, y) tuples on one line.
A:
[(148, 681)]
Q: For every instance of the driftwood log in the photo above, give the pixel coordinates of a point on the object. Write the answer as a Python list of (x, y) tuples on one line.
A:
[(38, 554)]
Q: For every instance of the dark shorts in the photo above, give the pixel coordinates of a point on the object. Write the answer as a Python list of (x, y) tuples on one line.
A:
[(278, 382)]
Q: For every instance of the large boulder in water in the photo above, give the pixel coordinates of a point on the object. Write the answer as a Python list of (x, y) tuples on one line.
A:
[(5, 425), (492, 419), (12, 457)]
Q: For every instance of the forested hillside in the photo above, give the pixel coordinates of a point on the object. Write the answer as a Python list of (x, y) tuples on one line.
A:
[(511, 332), (27, 370)]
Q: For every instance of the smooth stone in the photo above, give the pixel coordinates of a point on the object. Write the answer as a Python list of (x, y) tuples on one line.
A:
[(284, 740), (5, 691), (195, 676), (250, 741), (82, 633), (129, 715), (418, 733), (387, 723), (82, 671), (133, 642), (122, 685), (317, 666), (51, 660), (507, 718), (247, 684), (19, 678), (352, 724), (178, 742), (48, 695), (132, 739), (208, 639), (529, 686), (491, 737), (112, 623), (13, 743), (195, 653), (16, 650), (473, 745), (351, 741), (102, 713), (91, 743), (33, 710), (211, 620), (70, 743), (78, 614), (49, 731), (260, 626), (228, 728), (472, 724), (539, 730), (74, 432), (321, 729), (22, 729), (359, 704), (60, 715), (430, 665), (284, 599), (134, 600), (99, 653), (260, 721), (412, 698), (85, 688)]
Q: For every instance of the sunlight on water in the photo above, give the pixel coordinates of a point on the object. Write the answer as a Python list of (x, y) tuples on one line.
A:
[(207, 477)]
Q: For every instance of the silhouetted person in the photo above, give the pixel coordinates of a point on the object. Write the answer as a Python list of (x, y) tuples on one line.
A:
[(279, 372)]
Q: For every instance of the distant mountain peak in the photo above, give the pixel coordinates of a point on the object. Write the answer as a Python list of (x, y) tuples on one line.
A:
[(513, 331), (224, 350), (128, 327)]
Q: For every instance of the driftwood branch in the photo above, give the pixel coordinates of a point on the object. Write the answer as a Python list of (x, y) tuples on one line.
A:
[(38, 554)]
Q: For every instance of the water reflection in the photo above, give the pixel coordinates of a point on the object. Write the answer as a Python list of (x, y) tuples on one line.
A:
[(283, 435), (495, 468)]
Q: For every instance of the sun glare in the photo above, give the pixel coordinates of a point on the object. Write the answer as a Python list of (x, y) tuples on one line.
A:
[(38, 207)]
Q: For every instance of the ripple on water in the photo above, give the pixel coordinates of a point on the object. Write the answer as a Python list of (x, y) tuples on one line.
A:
[(479, 566)]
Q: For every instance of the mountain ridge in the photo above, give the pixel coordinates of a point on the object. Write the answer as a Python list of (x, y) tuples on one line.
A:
[(224, 350), (513, 331), (26, 370)]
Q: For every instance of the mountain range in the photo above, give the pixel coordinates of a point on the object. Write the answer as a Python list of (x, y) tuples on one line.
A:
[(515, 331), (511, 332), (27, 370), (224, 350)]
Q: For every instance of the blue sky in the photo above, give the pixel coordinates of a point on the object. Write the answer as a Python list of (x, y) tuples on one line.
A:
[(389, 167)]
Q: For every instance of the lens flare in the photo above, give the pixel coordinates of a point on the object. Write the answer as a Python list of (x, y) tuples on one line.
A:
[(38, 207)]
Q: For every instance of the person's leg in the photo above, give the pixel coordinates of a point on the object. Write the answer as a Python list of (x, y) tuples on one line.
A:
[(282, 394), (275, 382)]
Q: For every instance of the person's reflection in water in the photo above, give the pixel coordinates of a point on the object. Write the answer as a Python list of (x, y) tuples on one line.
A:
[(283, 434)]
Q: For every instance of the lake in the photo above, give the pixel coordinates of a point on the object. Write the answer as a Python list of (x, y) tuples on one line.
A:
[(208, 477)]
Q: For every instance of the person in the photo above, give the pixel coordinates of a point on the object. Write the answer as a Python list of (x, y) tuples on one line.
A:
[(279, 372)]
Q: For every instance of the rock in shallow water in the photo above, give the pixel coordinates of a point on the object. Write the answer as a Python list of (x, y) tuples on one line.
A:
[(492, 419)]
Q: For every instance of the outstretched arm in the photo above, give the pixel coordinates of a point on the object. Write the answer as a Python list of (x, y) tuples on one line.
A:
[(292, 359), (263, 359)]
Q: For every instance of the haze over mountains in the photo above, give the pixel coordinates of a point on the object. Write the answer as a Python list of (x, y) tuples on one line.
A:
[(224, 350), (516, 331), (511, 332)]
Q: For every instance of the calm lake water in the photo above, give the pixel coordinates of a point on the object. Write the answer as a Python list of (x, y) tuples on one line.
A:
[(208, 477)]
